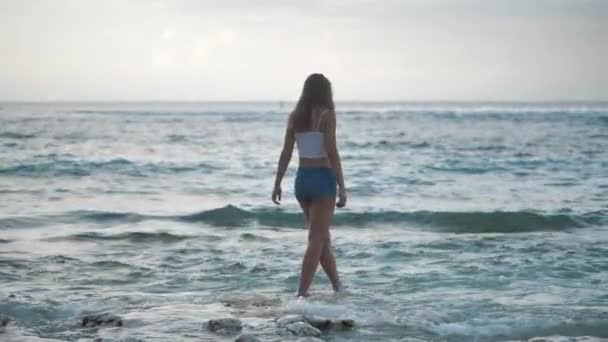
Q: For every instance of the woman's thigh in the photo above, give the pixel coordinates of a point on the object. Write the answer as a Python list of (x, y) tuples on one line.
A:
[(321, 213), (305, 205)]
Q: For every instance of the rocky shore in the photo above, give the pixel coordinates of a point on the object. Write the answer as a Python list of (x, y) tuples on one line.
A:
[(298, 328)]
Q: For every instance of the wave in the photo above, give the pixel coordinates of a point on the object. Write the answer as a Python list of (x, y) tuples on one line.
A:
[(67, 167), (129, 236), (16, 135), (234, 217), (390, 145), (446, 110), (104, 216), (126, 112), (236, 115), (467, 169)]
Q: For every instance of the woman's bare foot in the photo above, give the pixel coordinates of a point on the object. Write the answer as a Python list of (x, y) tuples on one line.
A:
[(302, 295)]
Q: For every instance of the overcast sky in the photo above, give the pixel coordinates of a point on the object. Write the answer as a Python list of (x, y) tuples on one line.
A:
[(263, 49)]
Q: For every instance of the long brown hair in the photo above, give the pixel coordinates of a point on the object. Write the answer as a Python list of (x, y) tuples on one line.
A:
[(315, 93)]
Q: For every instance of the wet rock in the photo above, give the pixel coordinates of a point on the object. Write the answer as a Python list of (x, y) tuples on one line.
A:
[(309, 339), (316, 322), (550, 339), (124, 339), (319, 322), (131, 339), (326, 324), (103, 319), (558, 338), (302, 329), (226, 325), (20, 336), (4, 321), (247, 338), (285, 320), (256, 301), (344, 323)]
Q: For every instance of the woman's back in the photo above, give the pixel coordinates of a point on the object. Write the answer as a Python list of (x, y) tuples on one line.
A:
[(311, 143)]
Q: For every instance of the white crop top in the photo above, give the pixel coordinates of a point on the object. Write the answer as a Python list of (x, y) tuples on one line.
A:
[(311, 144)]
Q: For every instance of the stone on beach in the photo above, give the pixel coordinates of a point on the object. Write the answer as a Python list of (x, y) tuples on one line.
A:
[(124, 339), (326, 324), (247, 338), (255, 301), (283, 321), (4, 320), (320, 323), (302, 329), (224, 325), (558, 338), (95, 320)]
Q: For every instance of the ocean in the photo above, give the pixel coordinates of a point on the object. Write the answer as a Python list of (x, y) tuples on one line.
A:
[(465, 222)]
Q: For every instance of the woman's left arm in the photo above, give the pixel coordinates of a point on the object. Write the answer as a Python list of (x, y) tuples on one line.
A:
[(288, 143)]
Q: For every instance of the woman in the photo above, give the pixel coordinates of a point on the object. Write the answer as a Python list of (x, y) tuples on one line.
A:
[(312, 125)]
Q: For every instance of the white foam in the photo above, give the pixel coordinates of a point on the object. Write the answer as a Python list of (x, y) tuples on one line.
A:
[(334, 306)]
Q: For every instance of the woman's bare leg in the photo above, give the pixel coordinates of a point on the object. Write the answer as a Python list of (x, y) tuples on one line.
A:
[(305, 205), (320, 216), (328, 261)]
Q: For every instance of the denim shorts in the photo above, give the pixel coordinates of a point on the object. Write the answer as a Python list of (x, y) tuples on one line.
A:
[(314, 183)]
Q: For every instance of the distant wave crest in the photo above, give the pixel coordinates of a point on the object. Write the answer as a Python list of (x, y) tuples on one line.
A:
[(129, 236), (234, 217), (69, 167), (16, 135)]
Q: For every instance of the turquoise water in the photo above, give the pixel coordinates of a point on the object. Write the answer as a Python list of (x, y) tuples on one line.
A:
[(465, 222)]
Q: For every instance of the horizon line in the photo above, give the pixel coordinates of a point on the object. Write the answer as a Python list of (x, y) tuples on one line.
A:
[(540, 101)]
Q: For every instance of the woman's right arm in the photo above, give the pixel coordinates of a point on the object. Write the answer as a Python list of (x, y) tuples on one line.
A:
[(333, 155)]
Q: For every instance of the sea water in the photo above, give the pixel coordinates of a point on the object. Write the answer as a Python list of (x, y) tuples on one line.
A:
[(465, 221)]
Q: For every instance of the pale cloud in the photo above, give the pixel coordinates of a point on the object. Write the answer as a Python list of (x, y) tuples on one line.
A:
[(168, 33), (242, 49)]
